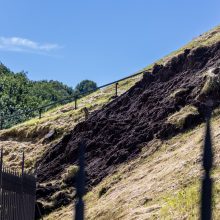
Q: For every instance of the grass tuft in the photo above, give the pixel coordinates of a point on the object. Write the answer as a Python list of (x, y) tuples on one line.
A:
[(179, 119)]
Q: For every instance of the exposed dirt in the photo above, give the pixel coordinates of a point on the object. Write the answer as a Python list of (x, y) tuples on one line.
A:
[(118, 132)]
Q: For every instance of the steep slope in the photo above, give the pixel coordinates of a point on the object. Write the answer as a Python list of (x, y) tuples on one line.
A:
[(162, 183), (37, 135), (163, 103), (186, 77)]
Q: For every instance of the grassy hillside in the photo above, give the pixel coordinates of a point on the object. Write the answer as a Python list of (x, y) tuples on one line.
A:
[(31, 135), (57, 117), (162, 183), (167, 187)]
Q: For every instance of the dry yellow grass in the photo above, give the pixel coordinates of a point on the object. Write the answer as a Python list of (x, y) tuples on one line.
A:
[(178, 118)]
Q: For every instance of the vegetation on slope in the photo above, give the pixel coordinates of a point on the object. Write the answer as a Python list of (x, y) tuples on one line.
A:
[(61, 118), (203, 40)]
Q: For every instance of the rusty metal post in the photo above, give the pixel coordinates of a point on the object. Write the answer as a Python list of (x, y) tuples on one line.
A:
[(80, 184), (207, 182)]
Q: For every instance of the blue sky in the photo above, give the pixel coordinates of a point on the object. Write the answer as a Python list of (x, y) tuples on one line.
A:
[(101, 40)]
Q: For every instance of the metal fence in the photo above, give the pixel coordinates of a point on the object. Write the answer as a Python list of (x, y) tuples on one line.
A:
[(27, 114), (17, 193)]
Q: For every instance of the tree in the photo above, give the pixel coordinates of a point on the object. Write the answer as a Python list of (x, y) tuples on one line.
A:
[(19, 94), (85, 86)]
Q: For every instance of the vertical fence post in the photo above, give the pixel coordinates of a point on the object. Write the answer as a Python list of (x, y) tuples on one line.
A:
[(206, 197), (116, 89), (40, 113), (80, 184), (1, 121), (75, 100)]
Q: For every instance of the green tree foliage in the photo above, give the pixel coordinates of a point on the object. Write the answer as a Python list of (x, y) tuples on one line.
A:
[(18, 94), (85, 86)]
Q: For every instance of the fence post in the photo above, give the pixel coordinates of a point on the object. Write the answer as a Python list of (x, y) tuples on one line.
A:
[(206, 197), (80, 184), (1, 121), (116, 89), (1, 189), (75, 100), (40, 113)]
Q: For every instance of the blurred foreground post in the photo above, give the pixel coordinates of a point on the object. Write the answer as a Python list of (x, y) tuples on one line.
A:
[(80, 184), (206, 197)]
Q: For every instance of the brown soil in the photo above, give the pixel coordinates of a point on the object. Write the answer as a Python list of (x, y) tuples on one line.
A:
[(118, 132)]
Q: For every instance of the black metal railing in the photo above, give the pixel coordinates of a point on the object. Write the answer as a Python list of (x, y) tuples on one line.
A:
[(17, 193), (27, 114)]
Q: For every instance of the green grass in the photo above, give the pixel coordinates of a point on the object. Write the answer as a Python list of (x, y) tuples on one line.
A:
[(185, 203)]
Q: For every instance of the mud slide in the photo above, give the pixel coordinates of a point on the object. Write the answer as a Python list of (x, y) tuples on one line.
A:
[(118, 132)]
